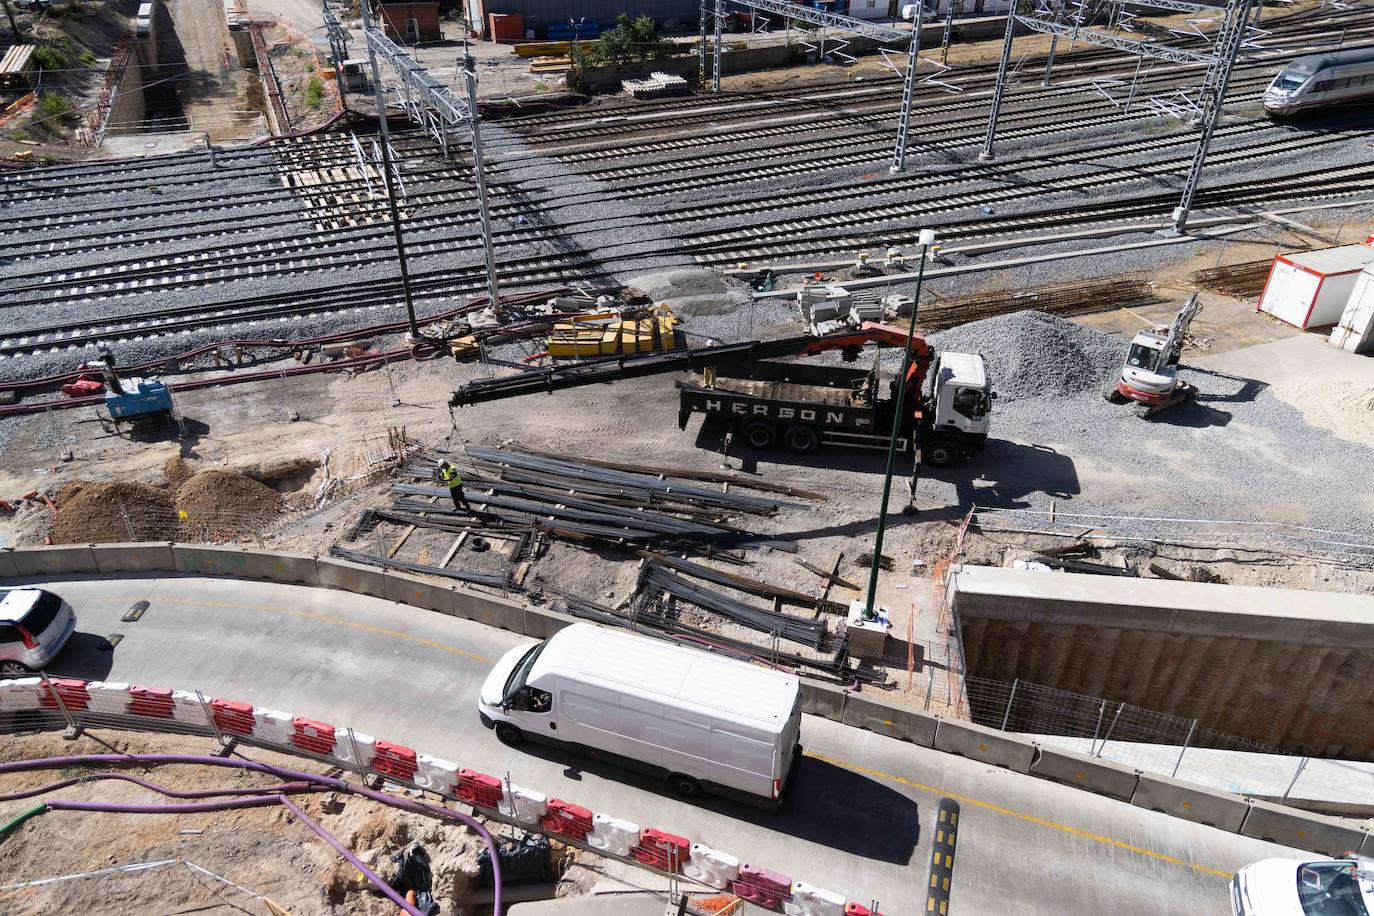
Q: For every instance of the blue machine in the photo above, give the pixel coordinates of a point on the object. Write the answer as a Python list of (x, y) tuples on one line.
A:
[(139, 400)]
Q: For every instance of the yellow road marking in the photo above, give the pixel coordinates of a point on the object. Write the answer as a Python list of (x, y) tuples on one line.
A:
[(852, 767), (1023, 816)]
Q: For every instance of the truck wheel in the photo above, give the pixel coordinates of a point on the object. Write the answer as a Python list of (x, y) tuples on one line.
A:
[(509, 734), (760, 435), (940, 453), (802, 439), (684, 786)]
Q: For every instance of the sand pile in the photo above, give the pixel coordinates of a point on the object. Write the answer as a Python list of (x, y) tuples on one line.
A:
[(227, 493), (90, 513)]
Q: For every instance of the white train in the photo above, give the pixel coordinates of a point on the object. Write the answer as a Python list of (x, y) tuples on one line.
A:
[(1340, 79)]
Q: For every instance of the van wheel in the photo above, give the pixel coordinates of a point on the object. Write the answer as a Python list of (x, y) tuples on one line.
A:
[(13, 669), (802, 439), (684, 786), (760, 435), (940, 452), (509, 734)]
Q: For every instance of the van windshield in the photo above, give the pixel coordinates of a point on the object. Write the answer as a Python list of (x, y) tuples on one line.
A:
[(521, 671), (1330, 889)]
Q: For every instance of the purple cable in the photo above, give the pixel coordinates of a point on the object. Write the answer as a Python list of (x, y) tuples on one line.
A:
[(52, 763), (170, 793)]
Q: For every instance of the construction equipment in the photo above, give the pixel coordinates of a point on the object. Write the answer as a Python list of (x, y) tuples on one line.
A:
[(801, 406), (143, 403), (1150, 374)]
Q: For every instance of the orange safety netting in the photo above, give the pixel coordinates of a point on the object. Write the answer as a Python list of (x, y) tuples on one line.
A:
[(719, 905)]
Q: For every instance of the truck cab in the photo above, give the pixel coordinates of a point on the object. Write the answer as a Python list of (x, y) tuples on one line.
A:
[(962, 396)]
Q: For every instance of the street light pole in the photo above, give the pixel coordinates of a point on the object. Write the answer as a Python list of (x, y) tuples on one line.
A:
[(380, 99), (927, 238)]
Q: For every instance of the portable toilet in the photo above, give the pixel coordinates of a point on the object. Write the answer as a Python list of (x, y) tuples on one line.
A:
[(1355, 330)]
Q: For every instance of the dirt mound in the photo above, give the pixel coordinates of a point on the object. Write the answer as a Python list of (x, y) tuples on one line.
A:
[(229, 493), (176, 470), (98, 513)]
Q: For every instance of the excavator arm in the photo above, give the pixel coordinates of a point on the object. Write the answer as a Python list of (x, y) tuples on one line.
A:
[(595, 372)]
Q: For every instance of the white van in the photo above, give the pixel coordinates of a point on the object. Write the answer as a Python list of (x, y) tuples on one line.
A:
[(703, 722), (1297, 887)]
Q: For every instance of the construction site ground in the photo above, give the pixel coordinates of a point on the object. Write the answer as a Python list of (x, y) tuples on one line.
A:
[(286, 432), (263, 850)]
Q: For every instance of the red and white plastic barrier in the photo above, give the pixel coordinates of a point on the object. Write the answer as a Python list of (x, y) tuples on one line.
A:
[(232, 717), (613, 835), (711, 866), (526, 806), (812, 901), (395, 760), (312, 737), (655, 849), (762, 887), (479, 789), (663, 851), (436, 774), (568, 820)]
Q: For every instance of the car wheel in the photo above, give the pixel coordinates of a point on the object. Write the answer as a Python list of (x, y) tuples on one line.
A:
[(760, 435), (802, 439), (509, 734), (940, 453), (13, 669), (684, 786)]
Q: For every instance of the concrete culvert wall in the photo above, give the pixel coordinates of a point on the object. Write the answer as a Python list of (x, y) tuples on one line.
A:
[(1282, 667)]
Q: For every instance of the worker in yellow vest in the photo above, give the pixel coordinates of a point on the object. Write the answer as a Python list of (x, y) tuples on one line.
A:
[(454, 481)]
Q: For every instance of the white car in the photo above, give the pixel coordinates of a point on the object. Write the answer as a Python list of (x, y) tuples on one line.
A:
[(1294, 887), (34, 626)]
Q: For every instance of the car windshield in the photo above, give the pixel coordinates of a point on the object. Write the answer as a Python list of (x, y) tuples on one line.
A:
[(41, 615), (1330, 889), (521, 671), (1143, 357), (1289, 80)]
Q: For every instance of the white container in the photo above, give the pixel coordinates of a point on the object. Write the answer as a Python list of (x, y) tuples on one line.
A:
[(186, 707), (613, 835), (436, 774), (523, 805), (711, 866), (1310, 289), (343, 748), (1355, 330), (272, 725), (108, 697), (21, 693), (812, 901)]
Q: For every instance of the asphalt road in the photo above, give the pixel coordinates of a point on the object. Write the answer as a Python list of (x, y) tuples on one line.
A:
[(858, 821)]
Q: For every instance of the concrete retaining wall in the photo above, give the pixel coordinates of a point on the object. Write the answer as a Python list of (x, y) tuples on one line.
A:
[(1200, 804)]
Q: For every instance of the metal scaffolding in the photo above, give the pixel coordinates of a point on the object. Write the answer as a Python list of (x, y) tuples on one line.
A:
[(428, 103), (1048, 18)]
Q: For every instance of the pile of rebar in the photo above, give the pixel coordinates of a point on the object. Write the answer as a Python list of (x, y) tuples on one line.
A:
[(786, 626), (1065, 299), (1240, 281)]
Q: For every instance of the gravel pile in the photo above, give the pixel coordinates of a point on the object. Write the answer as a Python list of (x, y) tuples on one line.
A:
[(1034, 354)]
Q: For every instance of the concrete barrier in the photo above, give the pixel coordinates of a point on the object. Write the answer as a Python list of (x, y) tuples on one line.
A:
[(978, 742), (211, 561), (7, 567), (1105, 777), (418, 593), (1191, 802), (351, 577), (889, 719), (488, 609), (56, 560), (1303, 829), (542, 623), (824, 700), (294, 568), (139, 557)]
